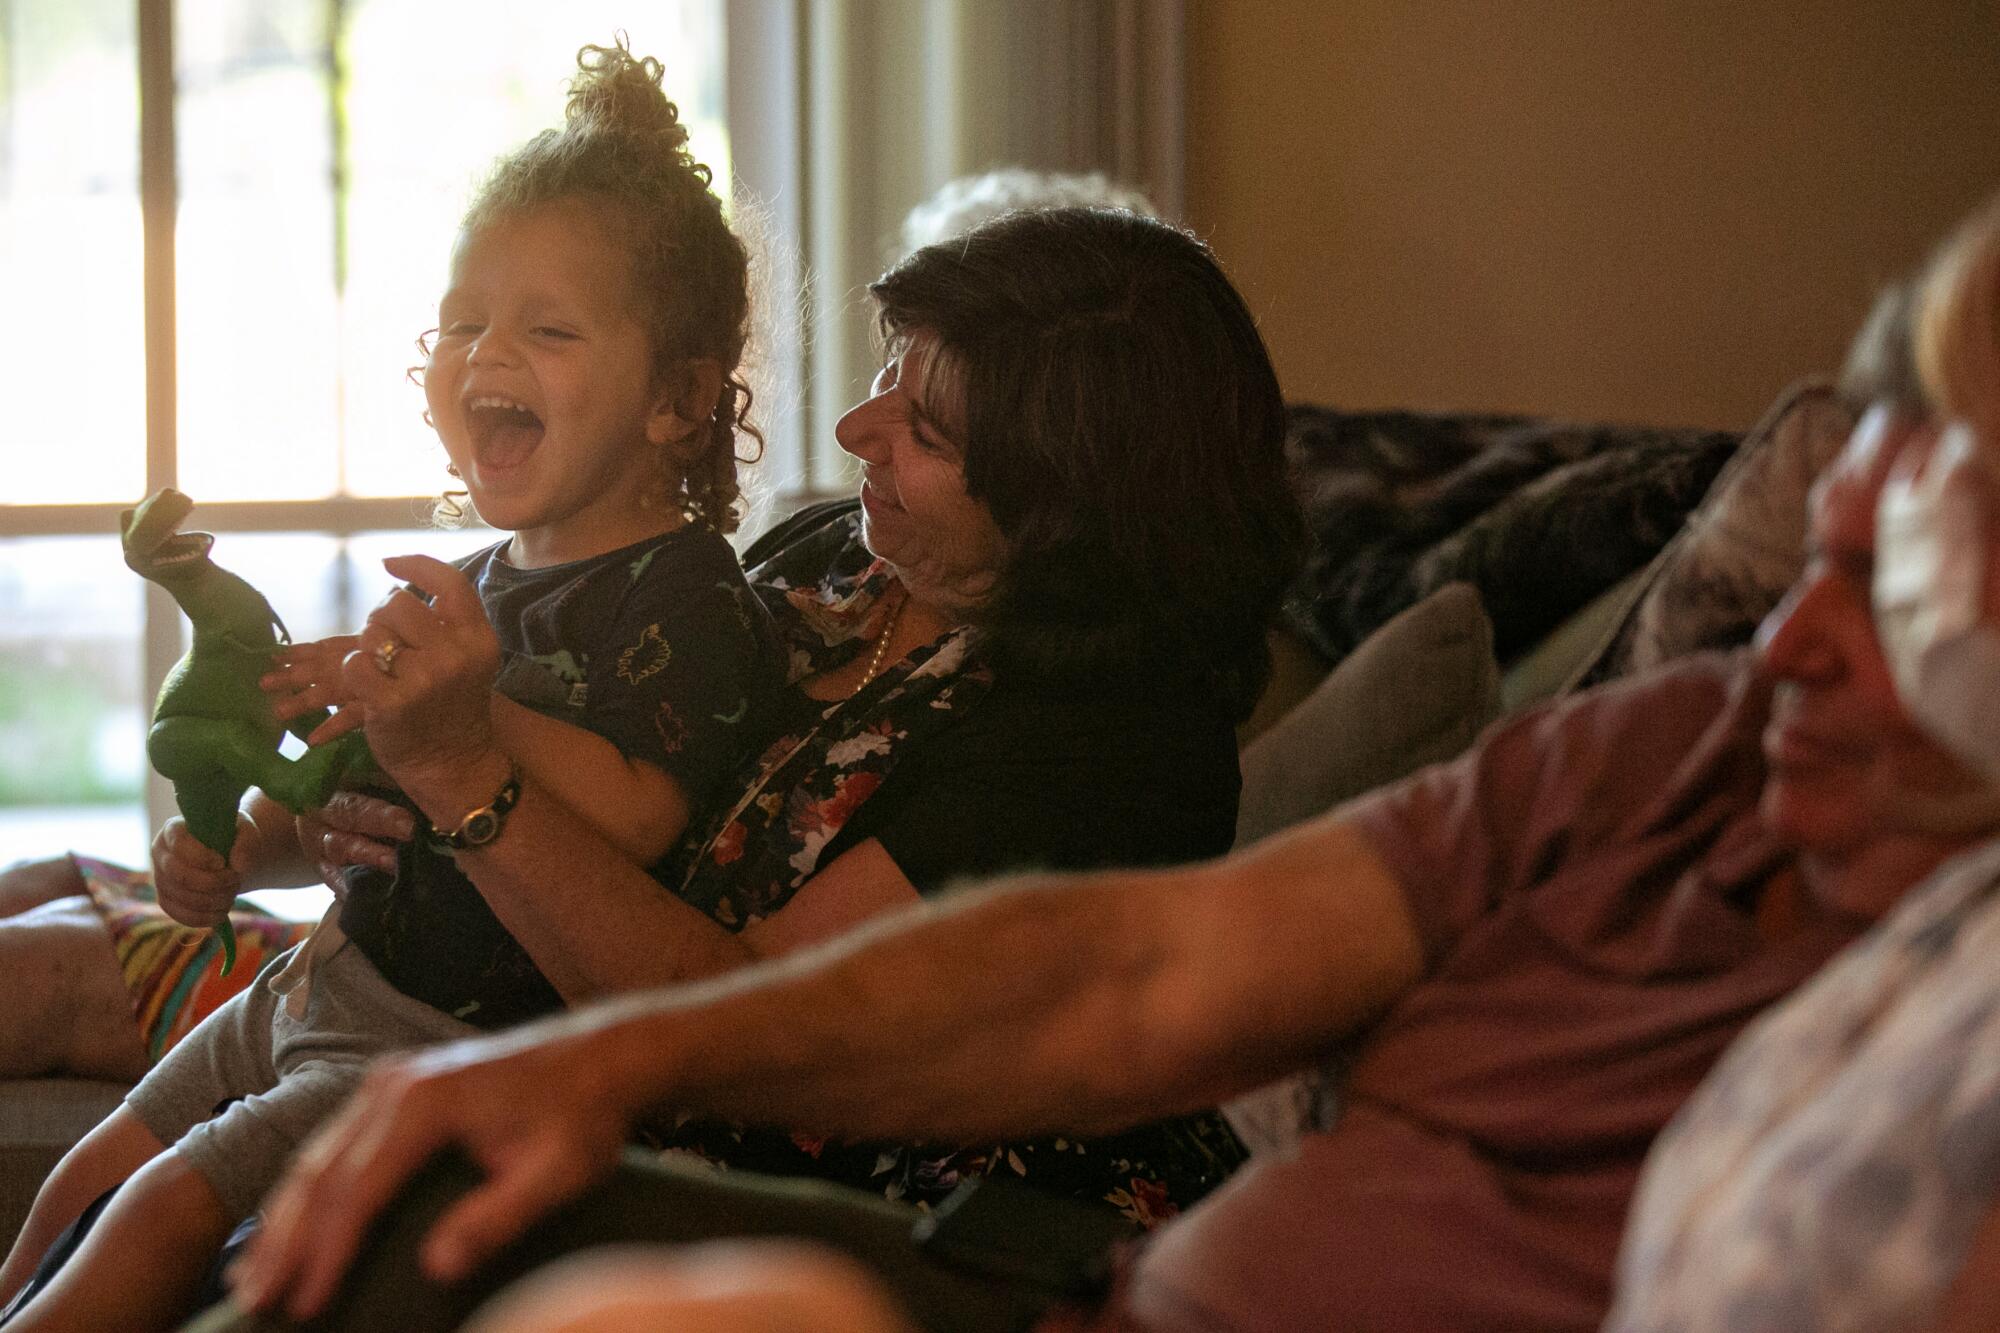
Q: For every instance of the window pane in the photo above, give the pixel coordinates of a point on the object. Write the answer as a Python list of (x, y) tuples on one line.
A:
[(320, 584), (367, 550), (73, 712), (258, 319), (423, 130), (72, 738), (297, 300), (70, 252)]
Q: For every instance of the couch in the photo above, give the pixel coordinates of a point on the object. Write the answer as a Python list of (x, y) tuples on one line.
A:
[(1462, 566)]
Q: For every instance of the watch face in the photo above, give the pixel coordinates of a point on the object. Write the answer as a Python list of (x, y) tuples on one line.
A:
[(480, 829)]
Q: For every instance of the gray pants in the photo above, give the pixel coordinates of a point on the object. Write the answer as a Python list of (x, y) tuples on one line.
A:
[(280, 1074)]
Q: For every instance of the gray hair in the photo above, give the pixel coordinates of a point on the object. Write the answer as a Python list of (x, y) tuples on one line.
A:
[(962, 204)]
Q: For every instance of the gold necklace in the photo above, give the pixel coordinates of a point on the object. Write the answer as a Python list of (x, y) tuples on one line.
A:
[(882, 644)]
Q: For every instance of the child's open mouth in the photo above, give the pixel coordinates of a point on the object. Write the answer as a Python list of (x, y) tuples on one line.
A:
[(503, 432)]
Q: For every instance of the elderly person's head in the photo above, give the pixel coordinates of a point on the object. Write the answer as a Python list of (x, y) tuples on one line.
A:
[(1075, 443), (1937, 575), (1853, 776)]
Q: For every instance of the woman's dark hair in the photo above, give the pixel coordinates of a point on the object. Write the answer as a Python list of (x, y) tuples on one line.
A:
[(623, 148), (1119, 417)]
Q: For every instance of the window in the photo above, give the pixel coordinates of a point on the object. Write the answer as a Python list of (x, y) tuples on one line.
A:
[(320, 152)]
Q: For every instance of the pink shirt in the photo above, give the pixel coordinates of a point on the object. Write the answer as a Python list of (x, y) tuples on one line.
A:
[(1584, 881)]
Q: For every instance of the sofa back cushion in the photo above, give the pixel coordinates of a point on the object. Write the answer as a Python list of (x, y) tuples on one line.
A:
[(1415, 692), (1540, 515)]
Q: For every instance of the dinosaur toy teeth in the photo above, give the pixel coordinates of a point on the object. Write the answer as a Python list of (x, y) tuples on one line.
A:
[(183, 548), (151, 539)]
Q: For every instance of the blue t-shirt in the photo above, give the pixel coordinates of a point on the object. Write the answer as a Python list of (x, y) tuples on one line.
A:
[(660, 648)]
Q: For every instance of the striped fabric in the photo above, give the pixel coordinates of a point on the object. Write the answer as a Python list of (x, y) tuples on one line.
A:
[(172, 970)]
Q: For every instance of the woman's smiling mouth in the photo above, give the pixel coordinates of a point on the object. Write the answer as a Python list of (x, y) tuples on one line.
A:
[(877, 498)]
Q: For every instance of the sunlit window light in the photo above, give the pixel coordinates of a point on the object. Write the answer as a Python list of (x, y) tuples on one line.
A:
[(325, 150)]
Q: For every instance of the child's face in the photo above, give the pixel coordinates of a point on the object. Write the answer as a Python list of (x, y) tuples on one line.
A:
[(541, 386)]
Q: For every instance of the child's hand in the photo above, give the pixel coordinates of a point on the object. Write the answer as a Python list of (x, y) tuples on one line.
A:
[(196, 887), (305, 678), (423, 678)]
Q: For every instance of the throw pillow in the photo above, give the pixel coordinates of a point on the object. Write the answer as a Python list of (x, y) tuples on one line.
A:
[(1546, 670), (1743, 546), (1416, 691)]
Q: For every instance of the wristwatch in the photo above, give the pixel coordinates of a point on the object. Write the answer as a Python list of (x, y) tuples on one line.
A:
[(484, 824)]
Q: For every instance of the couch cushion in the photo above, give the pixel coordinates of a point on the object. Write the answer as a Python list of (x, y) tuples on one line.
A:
[(40, 1119), (1416, 691)]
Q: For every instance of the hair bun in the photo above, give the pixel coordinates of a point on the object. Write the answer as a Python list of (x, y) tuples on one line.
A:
[(617, 92), (623, 151)]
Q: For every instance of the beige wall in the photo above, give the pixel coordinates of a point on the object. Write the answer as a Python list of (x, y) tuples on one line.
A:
[(1651, 210)]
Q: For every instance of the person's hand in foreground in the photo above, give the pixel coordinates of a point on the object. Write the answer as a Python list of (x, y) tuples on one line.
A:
[(538, 1114), (745, 1286)]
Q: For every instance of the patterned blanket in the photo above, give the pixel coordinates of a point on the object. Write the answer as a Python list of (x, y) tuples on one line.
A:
[(174, 971)]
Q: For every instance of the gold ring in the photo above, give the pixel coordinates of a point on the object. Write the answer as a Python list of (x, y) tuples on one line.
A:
[(385, 656)]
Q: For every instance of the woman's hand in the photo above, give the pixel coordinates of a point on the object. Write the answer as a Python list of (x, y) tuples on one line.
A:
[(539, 1115), (353, 829), (421, 677), (196, 886)]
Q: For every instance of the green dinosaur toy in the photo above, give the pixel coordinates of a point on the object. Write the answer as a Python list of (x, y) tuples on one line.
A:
[(214, 734)]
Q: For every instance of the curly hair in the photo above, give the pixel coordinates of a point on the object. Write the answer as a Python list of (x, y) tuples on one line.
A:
[(622, 147), (1119, 417)]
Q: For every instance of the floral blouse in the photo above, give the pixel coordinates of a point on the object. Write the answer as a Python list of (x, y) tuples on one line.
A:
[(1834, 1170), (755, 852)]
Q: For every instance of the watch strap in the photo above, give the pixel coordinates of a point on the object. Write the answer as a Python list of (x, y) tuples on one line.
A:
[(483, 825)]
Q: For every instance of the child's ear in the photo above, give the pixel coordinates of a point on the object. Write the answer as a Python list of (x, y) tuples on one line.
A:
[(685, 406)]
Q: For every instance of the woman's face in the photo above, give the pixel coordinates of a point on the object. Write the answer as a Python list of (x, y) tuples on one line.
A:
[(915, 513)]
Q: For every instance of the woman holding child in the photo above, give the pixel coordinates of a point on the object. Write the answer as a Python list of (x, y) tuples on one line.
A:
[(1026, 648), (981, 684)]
